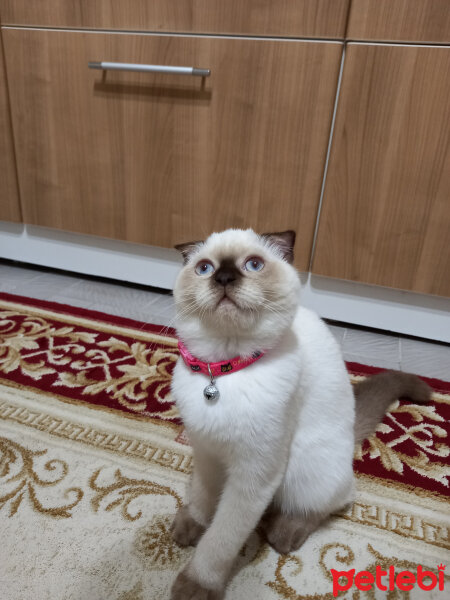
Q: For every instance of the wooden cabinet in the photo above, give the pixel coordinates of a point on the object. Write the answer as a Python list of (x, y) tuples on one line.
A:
[(285, 18), (9, 196), (162, 158), (400, 20), (159, 159), (385, 217)]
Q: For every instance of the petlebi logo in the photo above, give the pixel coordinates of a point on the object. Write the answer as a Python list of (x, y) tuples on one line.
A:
[(388, 580)]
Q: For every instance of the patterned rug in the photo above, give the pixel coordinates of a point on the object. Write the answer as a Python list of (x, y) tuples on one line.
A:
[(94, 464)]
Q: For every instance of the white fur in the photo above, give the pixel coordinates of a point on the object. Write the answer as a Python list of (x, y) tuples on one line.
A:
[(282, 429)]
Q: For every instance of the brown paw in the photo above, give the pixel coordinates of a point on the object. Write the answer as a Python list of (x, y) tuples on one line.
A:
[(285, 533), (186, 588), (185, 530)]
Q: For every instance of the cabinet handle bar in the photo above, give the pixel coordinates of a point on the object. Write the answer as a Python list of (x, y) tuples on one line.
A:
[(170, 70)]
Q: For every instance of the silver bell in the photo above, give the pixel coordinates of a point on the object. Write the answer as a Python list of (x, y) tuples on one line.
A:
[(211, 392)]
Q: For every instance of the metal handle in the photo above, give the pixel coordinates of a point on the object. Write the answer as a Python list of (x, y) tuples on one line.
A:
[(114, 66)]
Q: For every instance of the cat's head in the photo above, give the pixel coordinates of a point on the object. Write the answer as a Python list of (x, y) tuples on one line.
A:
[(238, 281)]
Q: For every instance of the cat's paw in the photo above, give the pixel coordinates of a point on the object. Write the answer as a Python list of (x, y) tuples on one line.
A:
[(287, 541), (185, 530), (284, 533), (186, 588)]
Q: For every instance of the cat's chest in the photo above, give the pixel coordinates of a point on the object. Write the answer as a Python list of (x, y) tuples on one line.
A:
[(251, 399)]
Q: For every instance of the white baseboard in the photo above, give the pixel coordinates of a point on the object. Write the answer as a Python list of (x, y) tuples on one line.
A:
[(398, 311), (90, 255), (372, 306)]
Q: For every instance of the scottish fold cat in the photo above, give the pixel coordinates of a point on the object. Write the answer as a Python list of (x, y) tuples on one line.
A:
[(274, 447)]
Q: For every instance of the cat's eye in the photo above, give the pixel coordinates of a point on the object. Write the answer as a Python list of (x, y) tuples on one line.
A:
[(204, 267), (254, 264)]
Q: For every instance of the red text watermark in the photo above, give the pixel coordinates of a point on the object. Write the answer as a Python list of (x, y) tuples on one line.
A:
[(387, 580)]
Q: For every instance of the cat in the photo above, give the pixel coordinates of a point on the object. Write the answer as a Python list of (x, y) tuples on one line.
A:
[(275, 448)]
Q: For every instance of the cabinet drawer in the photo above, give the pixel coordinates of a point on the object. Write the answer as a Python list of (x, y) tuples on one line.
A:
[(9, 196), (386, 210), (284, 18), (400, 20), (161, 159)]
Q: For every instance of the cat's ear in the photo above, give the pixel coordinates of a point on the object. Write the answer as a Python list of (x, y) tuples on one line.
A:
[(284, 242), (187, 249)]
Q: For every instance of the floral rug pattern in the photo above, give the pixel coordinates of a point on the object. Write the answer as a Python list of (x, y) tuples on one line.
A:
[(94, 464)]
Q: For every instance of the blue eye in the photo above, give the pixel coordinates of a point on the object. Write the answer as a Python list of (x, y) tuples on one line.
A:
[(204, 267), (254, 264)]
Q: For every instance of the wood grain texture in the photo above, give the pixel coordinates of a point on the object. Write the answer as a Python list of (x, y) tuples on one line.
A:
[(386, 211), (400, 20), (9, 195), (164, 159), (294, 18)]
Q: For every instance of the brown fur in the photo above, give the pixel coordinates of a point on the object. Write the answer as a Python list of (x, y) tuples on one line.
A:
[(375, 394), (286, 533), (187, 249), (227, 272), (185, 530), (285, 241), (186, 588)]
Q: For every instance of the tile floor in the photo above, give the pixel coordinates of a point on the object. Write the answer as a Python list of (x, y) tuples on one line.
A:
[(150, 305)]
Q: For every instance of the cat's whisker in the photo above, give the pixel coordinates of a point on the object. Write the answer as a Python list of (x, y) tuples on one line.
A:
[(264, 303), (188, 309)]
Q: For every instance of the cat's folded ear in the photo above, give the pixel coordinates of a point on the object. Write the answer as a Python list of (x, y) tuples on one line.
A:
[(284, 242), (187, 249)]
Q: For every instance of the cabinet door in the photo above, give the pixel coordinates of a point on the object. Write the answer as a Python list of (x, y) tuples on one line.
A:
[(400, 20), (160, 159), (385, 216), (285, 18), (9, 196)]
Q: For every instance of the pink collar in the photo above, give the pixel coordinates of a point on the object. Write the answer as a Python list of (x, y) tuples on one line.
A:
[(217, 368)]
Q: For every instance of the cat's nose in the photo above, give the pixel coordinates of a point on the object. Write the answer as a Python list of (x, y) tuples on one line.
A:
[(225, 276), (227, 272)]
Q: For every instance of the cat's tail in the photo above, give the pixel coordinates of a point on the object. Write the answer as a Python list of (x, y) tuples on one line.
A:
[(375, 394)]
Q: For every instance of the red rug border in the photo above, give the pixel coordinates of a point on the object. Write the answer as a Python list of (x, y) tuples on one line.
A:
[(88, 313), (354, 368)]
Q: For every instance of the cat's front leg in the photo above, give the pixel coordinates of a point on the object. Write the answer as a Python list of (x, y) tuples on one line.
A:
[(244, 500), (205, 485)]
